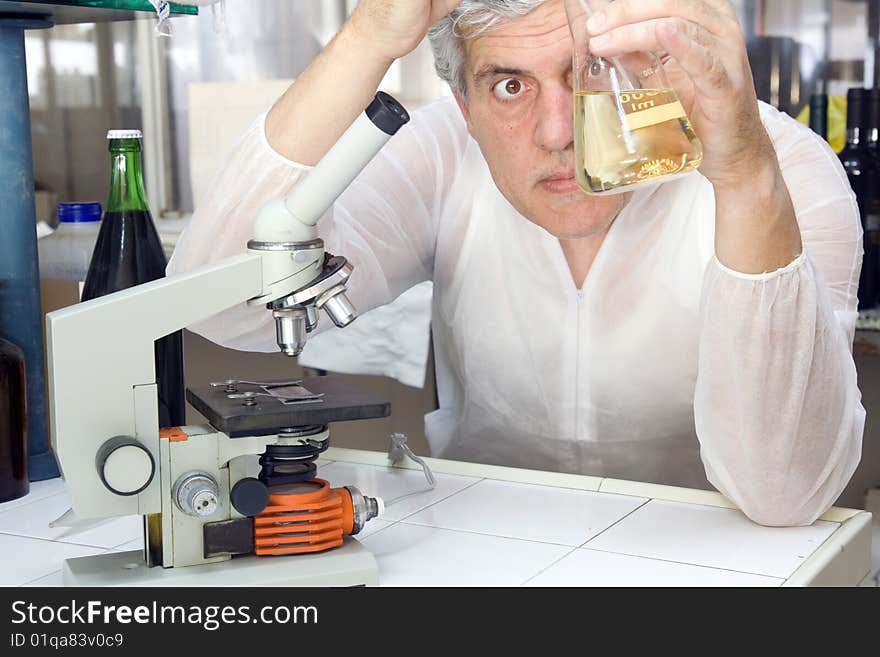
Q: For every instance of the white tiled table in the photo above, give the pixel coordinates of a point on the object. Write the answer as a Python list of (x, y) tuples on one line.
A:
[(493, 526)]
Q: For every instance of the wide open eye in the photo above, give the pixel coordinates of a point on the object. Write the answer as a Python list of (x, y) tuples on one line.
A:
[(509, 88)]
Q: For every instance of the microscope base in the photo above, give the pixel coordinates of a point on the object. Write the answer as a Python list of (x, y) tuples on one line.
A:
[(349, 565)]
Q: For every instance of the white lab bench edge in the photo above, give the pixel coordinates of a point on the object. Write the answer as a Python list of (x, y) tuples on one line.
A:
[(844, 559)]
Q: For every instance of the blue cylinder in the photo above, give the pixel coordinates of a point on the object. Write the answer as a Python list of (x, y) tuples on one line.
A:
[(19, 272)]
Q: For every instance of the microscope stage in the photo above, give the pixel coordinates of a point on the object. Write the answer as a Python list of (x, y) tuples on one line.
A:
[(264, 414)]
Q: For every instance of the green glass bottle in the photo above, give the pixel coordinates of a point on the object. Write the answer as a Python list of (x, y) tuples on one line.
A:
[(819, 115), (128, 252)]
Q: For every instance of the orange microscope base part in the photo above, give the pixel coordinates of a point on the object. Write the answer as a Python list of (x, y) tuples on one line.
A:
[(308, 517)]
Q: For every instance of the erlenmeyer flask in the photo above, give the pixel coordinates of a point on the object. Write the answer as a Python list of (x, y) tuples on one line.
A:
[(630, 127)]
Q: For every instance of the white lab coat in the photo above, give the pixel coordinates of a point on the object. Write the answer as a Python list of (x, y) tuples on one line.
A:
[(665, 367)]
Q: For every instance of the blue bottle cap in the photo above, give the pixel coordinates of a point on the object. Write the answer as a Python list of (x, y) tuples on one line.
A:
[(79, 212)]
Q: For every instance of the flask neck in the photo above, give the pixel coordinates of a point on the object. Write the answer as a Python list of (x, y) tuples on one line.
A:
[(126, 177)]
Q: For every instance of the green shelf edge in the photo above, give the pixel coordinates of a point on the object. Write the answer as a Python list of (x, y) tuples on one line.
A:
[(118, 5)]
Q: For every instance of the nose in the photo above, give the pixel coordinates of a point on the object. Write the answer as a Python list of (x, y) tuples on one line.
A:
[(554, 130)]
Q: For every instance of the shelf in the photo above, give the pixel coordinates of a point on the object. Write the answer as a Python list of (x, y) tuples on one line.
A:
[(62, 12)]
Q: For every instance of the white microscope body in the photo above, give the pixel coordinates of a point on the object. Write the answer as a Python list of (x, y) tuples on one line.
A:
[(103, 397)]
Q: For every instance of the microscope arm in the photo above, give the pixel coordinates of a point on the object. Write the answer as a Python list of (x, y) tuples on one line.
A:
[(102, 380)]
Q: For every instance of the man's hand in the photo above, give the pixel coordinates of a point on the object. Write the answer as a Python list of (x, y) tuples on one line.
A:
[(756, 228), (709, 70), (396, 27)]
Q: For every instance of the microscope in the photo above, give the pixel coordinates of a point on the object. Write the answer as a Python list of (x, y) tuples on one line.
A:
[(236, 501)]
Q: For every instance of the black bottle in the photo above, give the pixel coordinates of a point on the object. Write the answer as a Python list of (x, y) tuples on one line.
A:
[(864, 177), (13, 423), (128, 252), (872, 214)]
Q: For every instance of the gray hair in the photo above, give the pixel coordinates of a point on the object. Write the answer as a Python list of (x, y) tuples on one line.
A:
[(471, 19)]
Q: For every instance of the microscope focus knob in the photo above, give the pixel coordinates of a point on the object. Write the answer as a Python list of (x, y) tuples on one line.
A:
[(125, 466), (249, 496), (196, 494)]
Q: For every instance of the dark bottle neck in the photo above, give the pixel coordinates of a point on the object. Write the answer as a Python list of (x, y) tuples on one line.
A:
[(126, 177), (854, 137), (873, 119), (819, 114), (856, 118)]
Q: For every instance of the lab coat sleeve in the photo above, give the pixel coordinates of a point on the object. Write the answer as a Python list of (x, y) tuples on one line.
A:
[(384, 223), (777, 409)]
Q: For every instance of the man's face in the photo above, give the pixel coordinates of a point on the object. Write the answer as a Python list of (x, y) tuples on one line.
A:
[(519, 109)]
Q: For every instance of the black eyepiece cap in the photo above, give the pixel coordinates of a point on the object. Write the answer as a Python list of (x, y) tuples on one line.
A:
[(387, 114)]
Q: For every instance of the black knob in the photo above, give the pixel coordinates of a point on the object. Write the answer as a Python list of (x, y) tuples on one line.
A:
[(249, 496)]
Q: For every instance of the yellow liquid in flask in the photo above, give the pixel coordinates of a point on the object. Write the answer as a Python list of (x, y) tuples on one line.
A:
[(631, 138)]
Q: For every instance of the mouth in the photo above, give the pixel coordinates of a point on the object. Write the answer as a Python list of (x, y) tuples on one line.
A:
[(563, 182)]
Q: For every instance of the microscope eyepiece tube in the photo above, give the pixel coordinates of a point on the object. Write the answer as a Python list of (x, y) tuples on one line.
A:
[(346, 159)]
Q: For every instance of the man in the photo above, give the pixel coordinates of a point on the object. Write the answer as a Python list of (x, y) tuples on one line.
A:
[(700, 329)]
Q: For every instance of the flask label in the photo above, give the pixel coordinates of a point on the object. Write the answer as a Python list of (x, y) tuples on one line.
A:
[(646, 108)]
